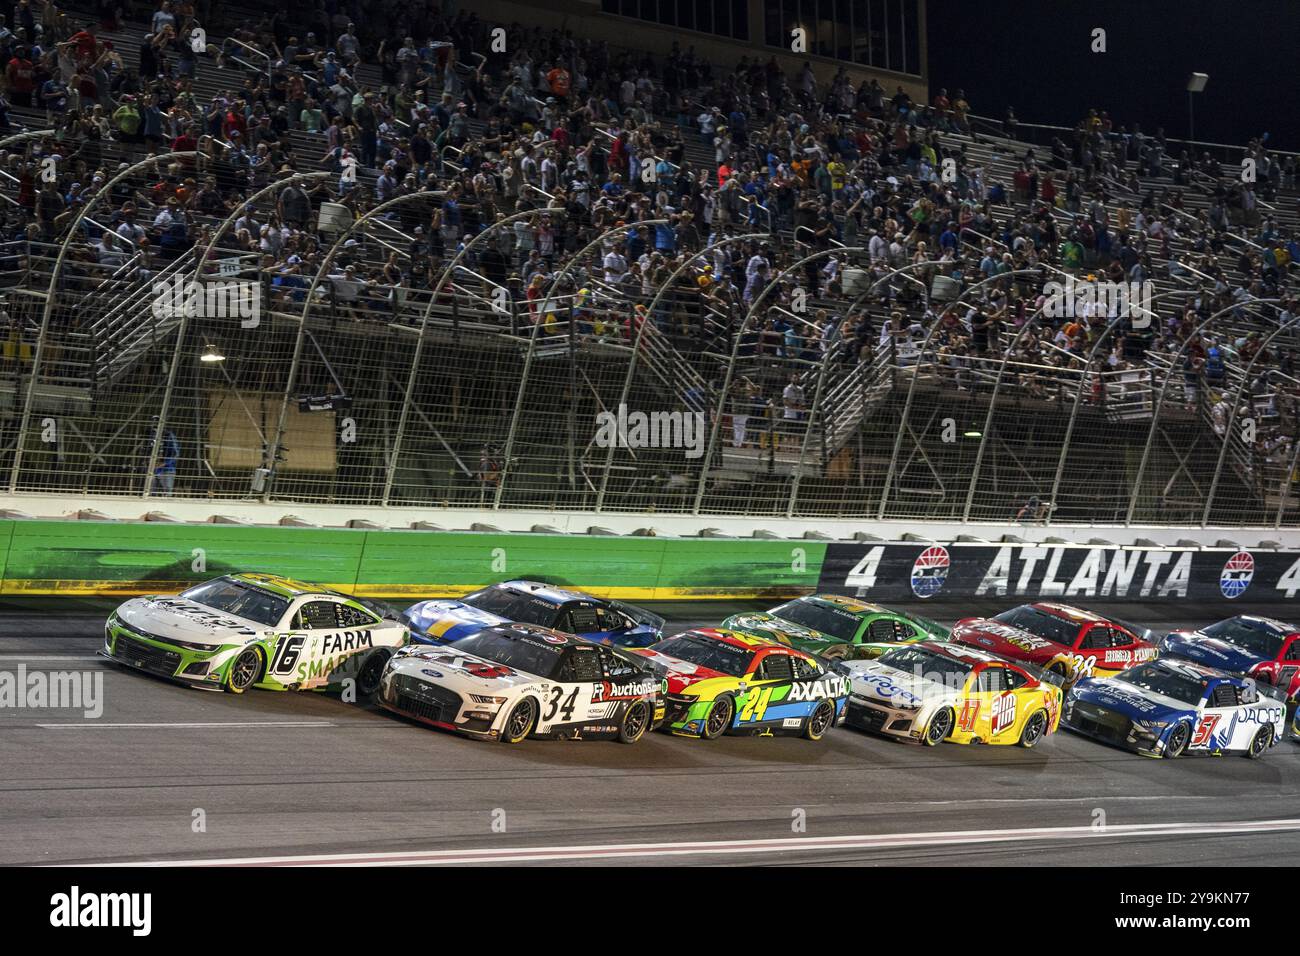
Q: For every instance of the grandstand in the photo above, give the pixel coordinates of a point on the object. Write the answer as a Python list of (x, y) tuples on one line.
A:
[(461, 256)]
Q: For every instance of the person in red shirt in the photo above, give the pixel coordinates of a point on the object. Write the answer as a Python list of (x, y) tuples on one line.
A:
[(559, 81), (85, 42), (21, 76)]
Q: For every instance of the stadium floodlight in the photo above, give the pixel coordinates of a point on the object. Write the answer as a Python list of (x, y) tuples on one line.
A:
[(1195, 84), (211, 355)]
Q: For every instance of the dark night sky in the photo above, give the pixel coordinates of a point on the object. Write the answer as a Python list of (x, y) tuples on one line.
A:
[(1036, 57)]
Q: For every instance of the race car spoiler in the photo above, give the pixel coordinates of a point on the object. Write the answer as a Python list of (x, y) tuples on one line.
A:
[(640, 615)]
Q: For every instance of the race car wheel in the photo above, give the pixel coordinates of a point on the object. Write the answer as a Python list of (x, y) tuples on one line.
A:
[(940, 727), (1177, 740), (1260, 743), (245, 670), (520, 722), (719, 718), (372, 669), (821, 719), (1035, 728), (635, 721)]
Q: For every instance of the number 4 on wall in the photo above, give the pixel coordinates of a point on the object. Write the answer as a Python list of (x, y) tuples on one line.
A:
[(863, 574)]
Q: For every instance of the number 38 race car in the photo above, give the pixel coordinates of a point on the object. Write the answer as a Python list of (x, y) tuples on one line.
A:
[(255, 630), (1166, 708), (518, 680), (936, 691), (723, 682)]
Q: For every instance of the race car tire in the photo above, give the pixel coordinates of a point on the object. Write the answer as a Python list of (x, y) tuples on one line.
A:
[(1260, 743), (520, 722), (370, 671), (1176, 743), (636, 720), (1035, 729), (718, 720), (820, 720), (245, 670), (940, 726)]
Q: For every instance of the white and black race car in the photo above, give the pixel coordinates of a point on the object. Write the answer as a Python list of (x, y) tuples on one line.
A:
[(516, 681)]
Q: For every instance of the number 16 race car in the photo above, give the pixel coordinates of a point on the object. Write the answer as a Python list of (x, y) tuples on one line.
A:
[(255, 630), (516, 681), (1166, 708)]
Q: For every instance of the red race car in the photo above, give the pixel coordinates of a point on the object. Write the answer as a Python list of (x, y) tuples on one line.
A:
[(1066, 640)]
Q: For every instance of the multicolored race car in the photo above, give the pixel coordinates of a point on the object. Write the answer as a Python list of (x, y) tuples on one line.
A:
[(724, 682), (935, 691), (531, 602), (256, 630), (517, 681), (1166, 708), (1065, 640), (833, 626), (1258, 647)]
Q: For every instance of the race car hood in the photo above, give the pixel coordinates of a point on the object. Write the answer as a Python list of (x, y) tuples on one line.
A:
[(1005, 640), (680, 674), (891, 686), (1210, 650), (449, 620), (171, 618), (457, 670), (1129, 699), (766, 625)]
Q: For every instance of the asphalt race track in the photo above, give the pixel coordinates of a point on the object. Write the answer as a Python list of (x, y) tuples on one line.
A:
[(306, 778)]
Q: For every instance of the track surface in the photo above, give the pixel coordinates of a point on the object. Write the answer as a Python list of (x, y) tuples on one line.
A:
[(308, 778)]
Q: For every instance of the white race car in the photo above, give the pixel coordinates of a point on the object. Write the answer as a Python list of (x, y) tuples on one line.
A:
[(256, 630), (515, 681)]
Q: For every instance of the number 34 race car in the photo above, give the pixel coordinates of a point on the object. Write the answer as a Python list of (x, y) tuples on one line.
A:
[(518, 680), (935, 691), (255, 630)]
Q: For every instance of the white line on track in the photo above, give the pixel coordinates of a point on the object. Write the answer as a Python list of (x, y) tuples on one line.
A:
[(544, 854), (97, 725), (52, 657)]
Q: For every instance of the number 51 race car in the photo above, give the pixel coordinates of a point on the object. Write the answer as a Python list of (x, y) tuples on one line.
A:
[(517, 681), (255, 630)]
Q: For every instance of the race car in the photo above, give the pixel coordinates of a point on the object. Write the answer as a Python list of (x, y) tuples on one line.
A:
[(1258, 647), (935, 691), (530, 602), (1062, 639), (256, 630), (1167, 707), (724, 682), (515, 681), (832, 626)]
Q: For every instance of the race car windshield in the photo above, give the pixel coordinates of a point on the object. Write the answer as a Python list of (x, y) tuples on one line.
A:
[(532, 657), (926, 663), (513, 606), (232, 597), (1160, 681), (1258, 638), (714, 655), (838, 624), (1041, 624)]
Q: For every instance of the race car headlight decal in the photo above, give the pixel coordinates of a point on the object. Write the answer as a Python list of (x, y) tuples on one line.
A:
[(1151, 726), (481, 699)]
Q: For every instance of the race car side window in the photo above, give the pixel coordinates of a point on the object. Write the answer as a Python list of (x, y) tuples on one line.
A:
[(805, 669), (317, 616), (1293, 652), (607, 619), (349, 616), (775, 667), (1120, 638), (1098, 637), (992, 680), (1013, 678), (581, 664), (582, 620), (881, 630)]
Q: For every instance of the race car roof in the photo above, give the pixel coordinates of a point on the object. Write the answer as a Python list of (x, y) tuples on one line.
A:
[(745, 641), (517, 632), (853, 605), (546, 592), (278, 584), (1073, 613)]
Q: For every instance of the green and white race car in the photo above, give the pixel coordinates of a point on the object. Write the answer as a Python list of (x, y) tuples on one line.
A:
[(256, 630), (833, 626)]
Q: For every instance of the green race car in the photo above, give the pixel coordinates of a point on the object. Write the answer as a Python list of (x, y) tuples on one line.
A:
[(256, 630), (833, 626)]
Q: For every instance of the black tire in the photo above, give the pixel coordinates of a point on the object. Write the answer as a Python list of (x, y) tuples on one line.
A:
[(718, 720), (815, 727), (1177, 741), (1260, 743), (245, 670), (1035, 729), (370, 672), (520, 722), (940, 727), (636, 721)]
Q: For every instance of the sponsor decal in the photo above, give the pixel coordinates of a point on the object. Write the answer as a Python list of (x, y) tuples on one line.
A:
[(1004, 712), (791, 722), (430, 672), (1236, 575), (930, 571), (819, 689)]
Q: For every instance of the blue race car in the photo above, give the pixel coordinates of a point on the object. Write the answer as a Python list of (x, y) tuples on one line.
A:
[(1165, 708), (530, 602), (1251, 646)]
